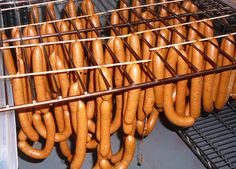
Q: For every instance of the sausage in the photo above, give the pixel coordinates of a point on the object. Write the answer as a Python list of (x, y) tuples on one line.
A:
[(208, 31), (196, 83), (34, 14), (169, 110), (115, 20), (16, 34), (186, 5), (126, 128), (118, 80), (96, 23), (135, 45), (125, 14), (105, 128), (222, 92), (19, 99), (217, 75), (192, 35), (50, 7), (21, 69), (27, 49), (159, 68), (90, 7), (133, 95), (84, 9), (32, 32), (71, 9), (37, 63), (64, 27), (8, 59), (43, 32), (149, 96), (208, 80), (181, 86), (135, 18), (81, 137), (50, 30), (148, 93), (145, 129), (77, 53), (127, 51), (97, 50), (41, 154)]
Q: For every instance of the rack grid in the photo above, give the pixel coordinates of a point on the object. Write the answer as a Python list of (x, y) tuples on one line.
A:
[(213, 138)]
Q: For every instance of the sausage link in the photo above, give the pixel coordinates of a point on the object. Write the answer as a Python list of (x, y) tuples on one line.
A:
[(208, 81), (27, 49), (133, 95), (8, 59), (115, 20), (45, 152), (19, 99), (34, 14), (181, 86), (222, 92), (118, 80), (196, 83), (169, 110), (50, 30), (43, 32), (192, 35), (148, 103), (81, 137), (135, 45), (135, 18), (105, 128), (125, 14), (71, 9), (78, 58), (51, 9), (37, 62), (159, 68)]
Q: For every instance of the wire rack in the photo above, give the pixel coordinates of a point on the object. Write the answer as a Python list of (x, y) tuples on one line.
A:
[(219, 13), (213, 138)]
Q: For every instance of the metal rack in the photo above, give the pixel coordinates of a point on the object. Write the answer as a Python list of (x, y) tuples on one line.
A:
[(213, 138), (219, 13)]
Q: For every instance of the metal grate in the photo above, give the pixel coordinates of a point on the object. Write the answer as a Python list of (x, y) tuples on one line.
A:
[(213, 138)]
